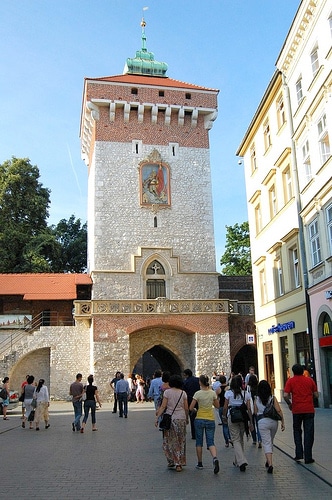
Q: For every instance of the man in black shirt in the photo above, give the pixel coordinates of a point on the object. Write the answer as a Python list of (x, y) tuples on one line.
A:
[(190, 386)]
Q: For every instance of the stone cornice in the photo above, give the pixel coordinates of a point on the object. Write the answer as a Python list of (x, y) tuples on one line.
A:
[(296, 35)]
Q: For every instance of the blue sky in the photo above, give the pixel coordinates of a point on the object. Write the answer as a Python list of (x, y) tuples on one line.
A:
[(48, 47)]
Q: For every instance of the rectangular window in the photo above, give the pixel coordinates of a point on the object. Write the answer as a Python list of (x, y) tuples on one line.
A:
[(267, 135), (288, 187), (273, 201), (323, 138), (294, 261), (281, 117), (279, 279), (258, 218), (314, 62), (262, 281), (284, 357), (329, 225), (136, 147), (173, 148), (314, 243), (253, 158), (299, 92), (302, 347), (306, 161), (155, 289)]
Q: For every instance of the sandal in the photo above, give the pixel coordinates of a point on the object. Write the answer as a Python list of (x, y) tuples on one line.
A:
[(5, 418), (178, 468), (23, 425)]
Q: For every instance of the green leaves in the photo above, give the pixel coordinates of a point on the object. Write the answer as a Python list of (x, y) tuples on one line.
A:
[(27, 244), (236, 260)]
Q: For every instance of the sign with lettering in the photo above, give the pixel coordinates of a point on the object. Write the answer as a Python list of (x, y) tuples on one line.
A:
[(281, 327)]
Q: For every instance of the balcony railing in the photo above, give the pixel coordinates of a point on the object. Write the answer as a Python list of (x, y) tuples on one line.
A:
[(86, 309)]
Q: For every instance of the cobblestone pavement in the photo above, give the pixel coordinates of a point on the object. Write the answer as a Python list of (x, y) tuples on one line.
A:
[(124, 460)]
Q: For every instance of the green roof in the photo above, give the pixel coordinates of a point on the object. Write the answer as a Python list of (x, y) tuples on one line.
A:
[(144, 62)]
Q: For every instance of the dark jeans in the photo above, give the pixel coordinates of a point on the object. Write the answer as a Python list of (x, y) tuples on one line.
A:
[(123, 403), (192, 417), (89, 404), (115, 406), (308, 420), (78, 413)]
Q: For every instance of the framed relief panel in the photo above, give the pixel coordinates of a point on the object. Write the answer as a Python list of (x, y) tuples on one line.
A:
[(154, 182)]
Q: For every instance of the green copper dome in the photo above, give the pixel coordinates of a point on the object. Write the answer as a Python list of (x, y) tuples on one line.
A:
[(144, 62)]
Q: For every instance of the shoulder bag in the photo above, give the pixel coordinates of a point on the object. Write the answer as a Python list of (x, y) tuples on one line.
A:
[(22, 396), (166, 420), (270, 411)]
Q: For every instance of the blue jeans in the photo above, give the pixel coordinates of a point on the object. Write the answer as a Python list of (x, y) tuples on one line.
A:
[(209, 426), (255, 434), (78, 413), (225, 428), (89, 404), (308, 420), (123, 403)]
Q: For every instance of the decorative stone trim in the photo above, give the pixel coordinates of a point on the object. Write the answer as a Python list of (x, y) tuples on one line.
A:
[(158, 306)]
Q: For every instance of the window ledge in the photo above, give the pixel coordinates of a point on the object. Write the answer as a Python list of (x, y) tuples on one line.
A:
[(315, 78)]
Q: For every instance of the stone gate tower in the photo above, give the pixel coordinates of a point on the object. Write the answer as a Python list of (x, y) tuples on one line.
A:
[(151, 249)]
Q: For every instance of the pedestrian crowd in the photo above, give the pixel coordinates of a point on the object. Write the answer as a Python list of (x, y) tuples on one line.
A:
[(244, 406), (35, 402)]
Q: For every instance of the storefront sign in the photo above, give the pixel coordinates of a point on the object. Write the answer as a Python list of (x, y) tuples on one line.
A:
[(281, 327), (326, 329)]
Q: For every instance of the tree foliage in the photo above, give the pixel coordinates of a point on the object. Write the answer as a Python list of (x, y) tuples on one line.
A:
[(236, 260), (24, 204), (72, 238), (27, 244)]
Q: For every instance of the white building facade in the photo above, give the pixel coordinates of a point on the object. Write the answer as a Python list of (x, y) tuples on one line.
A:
[(287, 161), (306, 63)]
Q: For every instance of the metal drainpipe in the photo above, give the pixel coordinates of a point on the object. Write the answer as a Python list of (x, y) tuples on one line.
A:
[(300, 222)]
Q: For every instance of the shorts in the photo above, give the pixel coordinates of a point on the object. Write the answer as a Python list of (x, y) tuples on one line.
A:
[(209, 427)]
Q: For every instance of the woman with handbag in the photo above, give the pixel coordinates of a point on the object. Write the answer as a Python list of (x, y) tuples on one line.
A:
[(43, 402), (237, 413), (29, 390), (175, 404), (268, 425), (207, 400)]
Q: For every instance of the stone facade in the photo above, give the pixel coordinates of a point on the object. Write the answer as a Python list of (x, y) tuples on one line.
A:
[(151, 254), (55, 354), (129, 121)]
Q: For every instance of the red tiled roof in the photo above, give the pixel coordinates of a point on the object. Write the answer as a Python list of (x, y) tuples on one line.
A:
[(43, 286), (159, 81)]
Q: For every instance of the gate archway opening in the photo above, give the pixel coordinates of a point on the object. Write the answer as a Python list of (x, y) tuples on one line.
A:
[(246, 356), (157, 357)]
